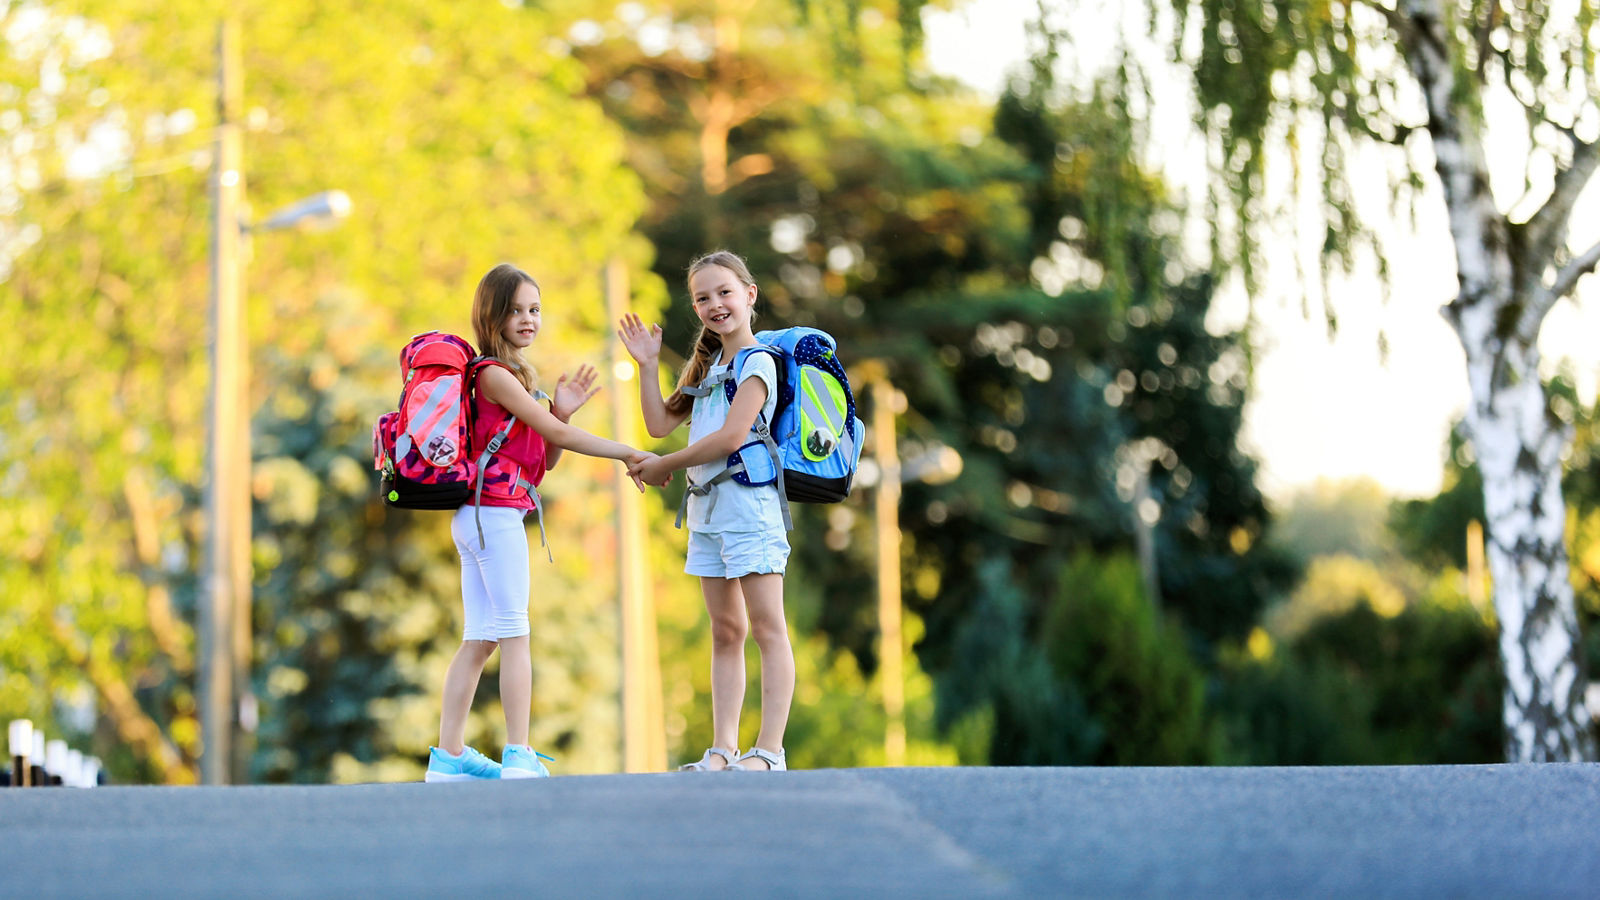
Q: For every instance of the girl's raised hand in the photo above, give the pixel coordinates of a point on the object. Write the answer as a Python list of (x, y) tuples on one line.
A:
[(570, 395), (644, 344)]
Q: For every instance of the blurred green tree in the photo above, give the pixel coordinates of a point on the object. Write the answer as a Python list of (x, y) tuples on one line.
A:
[(1011, 268), (1369, 684), (103, 407), (1132, 665)]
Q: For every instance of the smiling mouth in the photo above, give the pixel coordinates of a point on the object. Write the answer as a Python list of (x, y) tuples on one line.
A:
[(721, 317)]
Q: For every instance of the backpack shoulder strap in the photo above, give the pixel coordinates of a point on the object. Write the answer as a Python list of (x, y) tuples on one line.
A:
[(743, 356), (710, 382), (479, 363)]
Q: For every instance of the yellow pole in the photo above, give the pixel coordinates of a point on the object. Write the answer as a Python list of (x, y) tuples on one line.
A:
[(891, 650), (227, 420), (644, 739), (240, 489), (1476, 594)]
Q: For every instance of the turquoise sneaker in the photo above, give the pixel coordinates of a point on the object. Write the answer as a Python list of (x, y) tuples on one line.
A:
[(469, 766), (523, 762)]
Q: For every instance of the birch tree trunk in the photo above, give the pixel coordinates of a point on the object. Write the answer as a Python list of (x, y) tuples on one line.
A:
[(1497, 315), (1518, 446)]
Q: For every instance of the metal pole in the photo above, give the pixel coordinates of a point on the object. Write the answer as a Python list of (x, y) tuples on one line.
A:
[(644, 739), (887, 508), (239, 487), (225, 411)]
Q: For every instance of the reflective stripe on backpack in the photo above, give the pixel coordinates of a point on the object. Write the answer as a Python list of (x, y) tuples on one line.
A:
[(824, 410)]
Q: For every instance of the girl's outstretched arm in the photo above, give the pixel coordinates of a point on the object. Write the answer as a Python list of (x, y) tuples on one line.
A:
[(644, 345), (501, 387), (733, 434)]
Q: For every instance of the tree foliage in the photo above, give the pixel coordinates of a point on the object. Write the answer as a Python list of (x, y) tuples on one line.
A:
[(104, 406), (1010, 270), (1417, 683)]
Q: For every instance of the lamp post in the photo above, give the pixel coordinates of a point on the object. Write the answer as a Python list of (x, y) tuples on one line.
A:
[(644, 739), (937, 466), (225, 698), (886, 508)]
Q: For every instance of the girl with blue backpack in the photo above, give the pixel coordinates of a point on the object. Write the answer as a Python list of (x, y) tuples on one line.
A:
[(738, 544), (488, 528)]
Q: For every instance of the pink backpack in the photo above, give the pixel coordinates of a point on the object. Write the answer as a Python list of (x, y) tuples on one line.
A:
[(423, 449)]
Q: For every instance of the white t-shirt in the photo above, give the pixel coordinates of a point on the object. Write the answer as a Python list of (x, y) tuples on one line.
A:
[(737, 507)]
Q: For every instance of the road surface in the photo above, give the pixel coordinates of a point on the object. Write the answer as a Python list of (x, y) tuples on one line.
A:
[(1469, 831)]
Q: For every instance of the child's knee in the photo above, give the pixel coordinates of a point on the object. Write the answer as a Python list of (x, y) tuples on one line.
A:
[(726, 630), (769, 634), (480, 649)]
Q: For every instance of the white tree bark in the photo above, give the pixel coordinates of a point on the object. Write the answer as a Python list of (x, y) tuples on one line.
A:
[(1517, 442), (1518, 446)]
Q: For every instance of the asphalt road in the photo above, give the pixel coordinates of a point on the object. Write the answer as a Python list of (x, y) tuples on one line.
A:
[(1470, 831)]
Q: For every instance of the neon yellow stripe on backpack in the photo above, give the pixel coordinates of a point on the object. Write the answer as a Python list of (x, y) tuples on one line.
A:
[(823, 409)]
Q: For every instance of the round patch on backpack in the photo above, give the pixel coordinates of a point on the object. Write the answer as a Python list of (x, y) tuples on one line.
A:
[(820, 443), (441, 451)]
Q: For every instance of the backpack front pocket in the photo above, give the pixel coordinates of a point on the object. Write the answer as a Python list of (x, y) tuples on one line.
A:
[(824, 412), (434, 418)]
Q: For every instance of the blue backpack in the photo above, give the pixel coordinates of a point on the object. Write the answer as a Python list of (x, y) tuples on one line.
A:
[(811, 447)]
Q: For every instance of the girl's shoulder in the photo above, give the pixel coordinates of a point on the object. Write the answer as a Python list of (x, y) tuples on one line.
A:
[(496, 382), (757, 356)]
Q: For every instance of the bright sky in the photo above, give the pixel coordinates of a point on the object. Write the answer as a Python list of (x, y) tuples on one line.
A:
[(1324, 409)]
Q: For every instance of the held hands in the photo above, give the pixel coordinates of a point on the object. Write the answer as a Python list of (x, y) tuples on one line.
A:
[(637, 460), (570, 395), (644, 344), (633, 459), (649, 468)]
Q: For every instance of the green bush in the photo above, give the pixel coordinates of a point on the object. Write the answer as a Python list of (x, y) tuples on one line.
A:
[(1130, 664)]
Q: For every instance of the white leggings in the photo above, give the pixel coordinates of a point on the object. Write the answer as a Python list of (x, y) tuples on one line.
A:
[(494, 579)]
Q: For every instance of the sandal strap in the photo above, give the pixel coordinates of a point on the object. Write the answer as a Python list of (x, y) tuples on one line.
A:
[(729, 757), (773, 760)]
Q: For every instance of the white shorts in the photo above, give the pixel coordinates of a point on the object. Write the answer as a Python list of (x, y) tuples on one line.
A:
[(731, 554), (494, 579)]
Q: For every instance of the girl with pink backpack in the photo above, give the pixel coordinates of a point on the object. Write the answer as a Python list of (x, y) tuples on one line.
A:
[(488, 527)]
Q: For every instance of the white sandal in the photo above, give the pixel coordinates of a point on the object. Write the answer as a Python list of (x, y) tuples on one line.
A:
[(729, 758), (775, 762)]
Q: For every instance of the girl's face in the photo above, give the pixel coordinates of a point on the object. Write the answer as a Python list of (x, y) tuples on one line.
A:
[(721, 300), (522, 324)]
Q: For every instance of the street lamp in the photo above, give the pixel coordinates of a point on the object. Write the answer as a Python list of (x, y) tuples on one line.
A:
[(225, 611), (322, 209)]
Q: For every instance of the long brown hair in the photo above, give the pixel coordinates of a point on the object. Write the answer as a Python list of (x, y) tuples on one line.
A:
[(491, 306), (706, 342)]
